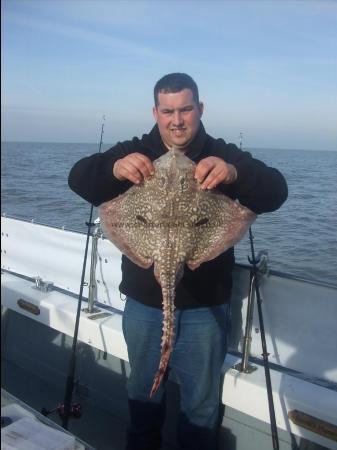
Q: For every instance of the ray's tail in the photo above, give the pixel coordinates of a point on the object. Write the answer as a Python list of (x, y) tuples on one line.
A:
[(167, 336)]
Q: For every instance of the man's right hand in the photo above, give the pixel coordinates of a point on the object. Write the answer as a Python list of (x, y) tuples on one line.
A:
[(134, 167)]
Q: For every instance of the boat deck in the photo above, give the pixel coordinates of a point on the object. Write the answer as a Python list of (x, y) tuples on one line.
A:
[(103, 430), (97, 427), (13, 409)]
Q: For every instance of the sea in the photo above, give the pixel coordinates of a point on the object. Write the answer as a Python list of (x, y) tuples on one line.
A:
[(300, 238)]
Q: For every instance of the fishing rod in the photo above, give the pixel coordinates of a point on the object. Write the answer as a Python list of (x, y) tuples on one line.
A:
[(67, 406), (254, 272), (253, 261)]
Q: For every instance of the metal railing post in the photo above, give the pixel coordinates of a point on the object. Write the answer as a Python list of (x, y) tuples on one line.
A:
[(244, 365), (92, 298)]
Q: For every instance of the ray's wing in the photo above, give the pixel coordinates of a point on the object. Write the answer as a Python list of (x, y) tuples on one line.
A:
[(221, 224), (124, 223)]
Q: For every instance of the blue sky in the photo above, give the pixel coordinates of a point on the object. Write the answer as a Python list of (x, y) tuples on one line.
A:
[(265, 68)]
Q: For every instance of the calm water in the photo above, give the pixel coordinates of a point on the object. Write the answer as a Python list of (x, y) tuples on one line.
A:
[(301, 238)]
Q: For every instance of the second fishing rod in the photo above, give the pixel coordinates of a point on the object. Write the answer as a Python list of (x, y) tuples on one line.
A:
[(67, 406), (255, 277)]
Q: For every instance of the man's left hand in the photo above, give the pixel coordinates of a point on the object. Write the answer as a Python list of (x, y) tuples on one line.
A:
[(212, 171)]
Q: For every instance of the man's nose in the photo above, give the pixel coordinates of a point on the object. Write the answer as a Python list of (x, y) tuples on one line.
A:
[(177, 118)]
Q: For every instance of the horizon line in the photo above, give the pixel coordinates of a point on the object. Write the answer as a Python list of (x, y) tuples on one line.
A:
[(112, 144)]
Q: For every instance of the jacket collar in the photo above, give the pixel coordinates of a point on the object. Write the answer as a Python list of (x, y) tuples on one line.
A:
[(193, 151)]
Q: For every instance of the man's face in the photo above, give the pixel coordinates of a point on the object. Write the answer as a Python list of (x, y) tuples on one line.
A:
[(178, 117)]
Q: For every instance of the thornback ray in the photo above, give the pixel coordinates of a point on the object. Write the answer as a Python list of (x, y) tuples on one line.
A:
[(169, 221)]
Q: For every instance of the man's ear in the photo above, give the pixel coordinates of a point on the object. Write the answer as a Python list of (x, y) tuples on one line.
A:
[(155, 113), (201, 108)]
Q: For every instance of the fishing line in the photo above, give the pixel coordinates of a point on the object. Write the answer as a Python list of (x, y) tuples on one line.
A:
[(67, 407), (265, 353)]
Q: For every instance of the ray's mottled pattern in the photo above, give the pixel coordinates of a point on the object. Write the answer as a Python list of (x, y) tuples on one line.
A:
[(169, 221)]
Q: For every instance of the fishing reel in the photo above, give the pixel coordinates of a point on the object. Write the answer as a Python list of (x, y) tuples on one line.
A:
[(75, 411), (261, 261)]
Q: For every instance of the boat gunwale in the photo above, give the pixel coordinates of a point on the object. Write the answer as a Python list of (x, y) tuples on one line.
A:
[(322, 382)]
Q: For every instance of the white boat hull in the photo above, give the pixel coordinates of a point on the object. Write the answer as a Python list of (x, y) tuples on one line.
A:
[(300, 321)]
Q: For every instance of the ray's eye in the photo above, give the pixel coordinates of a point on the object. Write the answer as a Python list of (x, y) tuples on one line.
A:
[(162, 182), (141, 219), (201, 222), (183, 183)]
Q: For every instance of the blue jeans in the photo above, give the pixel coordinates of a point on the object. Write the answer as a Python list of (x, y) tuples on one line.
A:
[(199, 349)]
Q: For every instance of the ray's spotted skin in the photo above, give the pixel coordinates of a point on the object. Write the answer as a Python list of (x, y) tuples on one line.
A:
[(169, 221)]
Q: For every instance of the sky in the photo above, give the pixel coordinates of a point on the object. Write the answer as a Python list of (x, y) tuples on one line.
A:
[(266, 69)]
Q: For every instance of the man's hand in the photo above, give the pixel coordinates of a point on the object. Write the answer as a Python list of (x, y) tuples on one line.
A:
[(212, 171), (134, 167)]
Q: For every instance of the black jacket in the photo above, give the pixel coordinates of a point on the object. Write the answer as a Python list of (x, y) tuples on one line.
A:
[(258, 187)]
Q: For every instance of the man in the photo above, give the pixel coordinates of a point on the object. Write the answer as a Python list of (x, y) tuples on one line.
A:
[(203, 295)]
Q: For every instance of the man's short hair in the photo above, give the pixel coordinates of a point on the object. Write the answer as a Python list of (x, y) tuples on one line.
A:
[(175, 82)]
